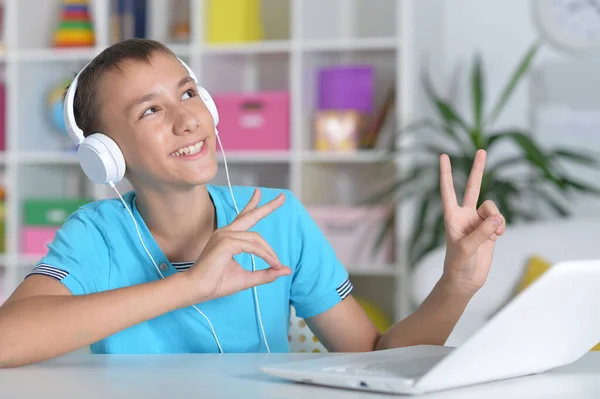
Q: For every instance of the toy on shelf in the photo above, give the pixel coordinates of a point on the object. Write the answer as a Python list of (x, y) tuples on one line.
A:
[(75, 26), (345, 100), (54, 108), (233, 21), (2, 113), (337, 130), (55, 105), (180, 26)]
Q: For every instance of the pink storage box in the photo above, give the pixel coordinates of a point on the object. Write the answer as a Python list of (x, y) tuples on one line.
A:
[(35, 239), (254, 121), (353, 231)]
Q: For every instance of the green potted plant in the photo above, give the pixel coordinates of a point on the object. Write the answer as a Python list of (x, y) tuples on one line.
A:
[(540, 179)]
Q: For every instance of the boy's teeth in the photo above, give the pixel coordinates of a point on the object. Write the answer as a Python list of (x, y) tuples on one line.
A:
[(189, 150)]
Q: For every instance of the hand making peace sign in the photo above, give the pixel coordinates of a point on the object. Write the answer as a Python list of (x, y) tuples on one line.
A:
[(471, 232)]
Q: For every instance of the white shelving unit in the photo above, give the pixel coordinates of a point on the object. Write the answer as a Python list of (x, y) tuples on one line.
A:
[(301, 36)]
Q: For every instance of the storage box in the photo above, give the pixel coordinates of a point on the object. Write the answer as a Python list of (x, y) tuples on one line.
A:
[(254, 121), (233, 21), (346, 87), (353, 232), (35, 240), (50, 211)]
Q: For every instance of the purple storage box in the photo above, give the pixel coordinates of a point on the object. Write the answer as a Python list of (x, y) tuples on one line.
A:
[(346, 87)]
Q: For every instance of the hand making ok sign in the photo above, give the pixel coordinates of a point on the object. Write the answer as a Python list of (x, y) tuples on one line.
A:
[(471, 232)]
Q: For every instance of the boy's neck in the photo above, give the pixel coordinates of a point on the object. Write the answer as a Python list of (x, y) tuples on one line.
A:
[(180, 221)]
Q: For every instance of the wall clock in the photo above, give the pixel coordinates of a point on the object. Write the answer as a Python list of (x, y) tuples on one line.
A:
[(571, 25)]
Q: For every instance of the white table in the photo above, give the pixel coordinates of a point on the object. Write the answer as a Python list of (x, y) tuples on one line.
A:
[(238, 376)]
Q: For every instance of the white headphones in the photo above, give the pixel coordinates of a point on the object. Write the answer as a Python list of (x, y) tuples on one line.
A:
[(100, 157), (103, 162)]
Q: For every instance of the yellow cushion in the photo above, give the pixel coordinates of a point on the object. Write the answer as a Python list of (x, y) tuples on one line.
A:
[(535, 267), (381, 321)]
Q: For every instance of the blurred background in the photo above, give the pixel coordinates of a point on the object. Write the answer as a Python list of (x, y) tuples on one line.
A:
[(349, 104)]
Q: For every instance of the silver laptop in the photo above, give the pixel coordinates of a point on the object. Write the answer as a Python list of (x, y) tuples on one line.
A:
[(552, 323)]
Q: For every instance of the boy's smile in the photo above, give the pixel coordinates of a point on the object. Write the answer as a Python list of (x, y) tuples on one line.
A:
[(191, 151)]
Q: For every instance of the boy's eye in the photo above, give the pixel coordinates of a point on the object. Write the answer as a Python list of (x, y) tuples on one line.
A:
[(188, 94), (147, 112)]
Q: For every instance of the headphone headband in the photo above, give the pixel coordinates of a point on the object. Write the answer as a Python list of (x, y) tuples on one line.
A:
[(74, 132)]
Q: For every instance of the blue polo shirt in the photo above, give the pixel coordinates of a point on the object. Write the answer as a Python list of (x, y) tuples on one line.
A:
[(98, 249)]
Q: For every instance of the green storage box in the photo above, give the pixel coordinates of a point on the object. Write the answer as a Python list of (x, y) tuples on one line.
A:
[(50, 211)]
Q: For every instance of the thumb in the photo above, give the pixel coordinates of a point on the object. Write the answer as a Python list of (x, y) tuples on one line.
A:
[(484, 231), (265, 276)]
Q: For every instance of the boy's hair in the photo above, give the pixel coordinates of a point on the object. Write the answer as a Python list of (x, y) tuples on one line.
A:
[(85, 106)]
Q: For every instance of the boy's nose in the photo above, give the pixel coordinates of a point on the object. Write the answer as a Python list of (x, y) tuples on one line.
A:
[(186, 123)]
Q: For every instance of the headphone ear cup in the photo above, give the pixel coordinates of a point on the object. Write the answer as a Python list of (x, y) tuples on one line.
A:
[(101, 159), (210, 104)]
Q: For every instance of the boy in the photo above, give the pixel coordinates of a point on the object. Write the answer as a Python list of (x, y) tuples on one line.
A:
[(101, 284)]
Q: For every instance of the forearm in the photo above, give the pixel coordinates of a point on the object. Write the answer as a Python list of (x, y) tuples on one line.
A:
[(41, 327), (431, 323)]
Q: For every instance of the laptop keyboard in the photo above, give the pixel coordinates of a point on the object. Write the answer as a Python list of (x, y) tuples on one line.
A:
[(406, 368)]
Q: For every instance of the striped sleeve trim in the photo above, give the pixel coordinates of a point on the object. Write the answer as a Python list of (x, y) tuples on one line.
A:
[(345, 289), (50, 271)]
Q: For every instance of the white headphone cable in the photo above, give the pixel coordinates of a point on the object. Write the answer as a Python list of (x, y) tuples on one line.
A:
[(256, 302), (262, 328), (156, 266)]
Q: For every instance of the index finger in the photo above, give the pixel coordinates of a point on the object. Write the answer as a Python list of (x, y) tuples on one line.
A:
[(446, 184), (474, 183), (253, 203), (249, 219)]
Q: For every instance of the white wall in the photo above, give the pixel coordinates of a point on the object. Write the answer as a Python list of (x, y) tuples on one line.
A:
[(502, 31)]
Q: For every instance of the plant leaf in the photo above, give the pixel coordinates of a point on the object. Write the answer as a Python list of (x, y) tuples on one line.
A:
[(527, 216), (421, 217), (551, 201), (514, 80), (574, 156), (435, 240), (510, 161), (579, 186), (430, 125), (448, 114), (501, 191), (477, 98), (387, 226), (415, 174), (532, 151)]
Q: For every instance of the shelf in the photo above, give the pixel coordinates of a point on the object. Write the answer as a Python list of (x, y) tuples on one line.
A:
[(255, 156), (301, 37), (265, 47), (181, 50), (361, 156), (47, 157), (56, 55), (367, 44)]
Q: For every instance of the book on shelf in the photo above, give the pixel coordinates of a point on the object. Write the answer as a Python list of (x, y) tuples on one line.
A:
[(128, 19)]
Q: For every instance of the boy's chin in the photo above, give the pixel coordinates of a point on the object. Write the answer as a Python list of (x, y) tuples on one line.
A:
[(200, 177)]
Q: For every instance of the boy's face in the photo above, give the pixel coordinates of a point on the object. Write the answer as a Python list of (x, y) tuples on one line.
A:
[(164, 129)]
